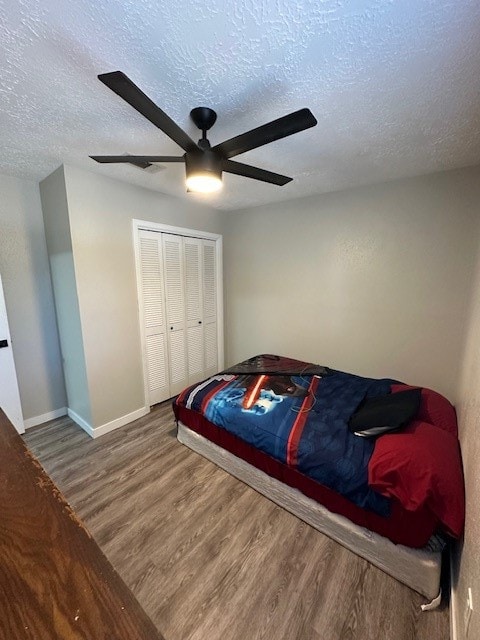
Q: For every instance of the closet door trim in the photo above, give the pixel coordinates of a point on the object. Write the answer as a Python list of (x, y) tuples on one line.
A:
[(145, 225)]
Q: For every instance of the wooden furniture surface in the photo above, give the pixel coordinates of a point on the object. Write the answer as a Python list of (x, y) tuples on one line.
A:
[(55, 582)]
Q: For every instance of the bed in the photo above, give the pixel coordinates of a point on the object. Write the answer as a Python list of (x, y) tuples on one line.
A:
[(283, 426)]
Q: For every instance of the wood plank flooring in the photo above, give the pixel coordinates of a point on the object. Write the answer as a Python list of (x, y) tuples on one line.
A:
[(209, 558)]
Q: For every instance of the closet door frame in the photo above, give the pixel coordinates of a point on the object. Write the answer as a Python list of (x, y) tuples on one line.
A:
[(145, 225)]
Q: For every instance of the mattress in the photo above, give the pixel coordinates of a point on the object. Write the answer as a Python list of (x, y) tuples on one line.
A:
[(419, 569)]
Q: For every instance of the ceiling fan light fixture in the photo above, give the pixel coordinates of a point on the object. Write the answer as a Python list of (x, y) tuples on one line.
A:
[(203, 171), (203, 182)]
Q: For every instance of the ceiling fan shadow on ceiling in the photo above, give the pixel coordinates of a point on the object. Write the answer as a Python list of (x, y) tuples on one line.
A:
[(204, 164)]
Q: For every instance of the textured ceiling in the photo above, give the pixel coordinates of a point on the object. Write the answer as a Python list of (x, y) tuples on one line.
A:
[(394, 85)]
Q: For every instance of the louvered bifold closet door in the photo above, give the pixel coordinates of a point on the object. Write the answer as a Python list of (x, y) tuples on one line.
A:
[(173, 269), (153, 315), (210, 307), (194, 309)]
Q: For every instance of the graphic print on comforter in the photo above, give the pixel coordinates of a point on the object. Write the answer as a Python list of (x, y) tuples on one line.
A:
[(301, 421)]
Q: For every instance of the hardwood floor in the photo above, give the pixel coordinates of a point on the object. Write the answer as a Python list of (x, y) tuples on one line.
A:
[(209, 558)]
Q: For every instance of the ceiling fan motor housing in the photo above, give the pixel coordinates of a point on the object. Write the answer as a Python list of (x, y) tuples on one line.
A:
[(205, 162)]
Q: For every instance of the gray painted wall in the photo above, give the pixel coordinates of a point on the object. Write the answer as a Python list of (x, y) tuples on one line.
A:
[(373, 280), (62, 268), (28, 295), (101, 212), (466, 571)]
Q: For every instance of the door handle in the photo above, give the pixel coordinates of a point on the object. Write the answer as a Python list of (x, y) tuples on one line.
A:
[(3, 344)]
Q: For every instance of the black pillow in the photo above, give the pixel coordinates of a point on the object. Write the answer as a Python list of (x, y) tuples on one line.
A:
[(385, 413)]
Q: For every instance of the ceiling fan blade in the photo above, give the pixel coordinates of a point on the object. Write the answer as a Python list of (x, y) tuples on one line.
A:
[(275, 130), (141, 161), (240, 169), (118, 82)]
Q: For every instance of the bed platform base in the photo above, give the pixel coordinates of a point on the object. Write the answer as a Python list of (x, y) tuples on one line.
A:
[(419, 569)]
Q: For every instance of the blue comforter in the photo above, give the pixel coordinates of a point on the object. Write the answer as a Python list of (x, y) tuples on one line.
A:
[(301, 421)]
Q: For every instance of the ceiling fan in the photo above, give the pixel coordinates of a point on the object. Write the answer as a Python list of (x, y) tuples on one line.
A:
[(204, 164)]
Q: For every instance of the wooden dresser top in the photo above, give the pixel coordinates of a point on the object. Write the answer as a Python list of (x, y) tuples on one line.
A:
[(55, 582)]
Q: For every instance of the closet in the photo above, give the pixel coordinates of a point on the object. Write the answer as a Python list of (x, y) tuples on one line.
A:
[(179, 306)]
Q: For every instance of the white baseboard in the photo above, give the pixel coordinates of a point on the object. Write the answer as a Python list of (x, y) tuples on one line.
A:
[(120, 422), (95, 432), (453, 602), (81, 422), (45, 417)]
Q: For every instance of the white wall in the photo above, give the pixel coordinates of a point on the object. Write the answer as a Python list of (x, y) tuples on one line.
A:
[(101, 211), (467, 560), (373, 280), (28, 295)]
